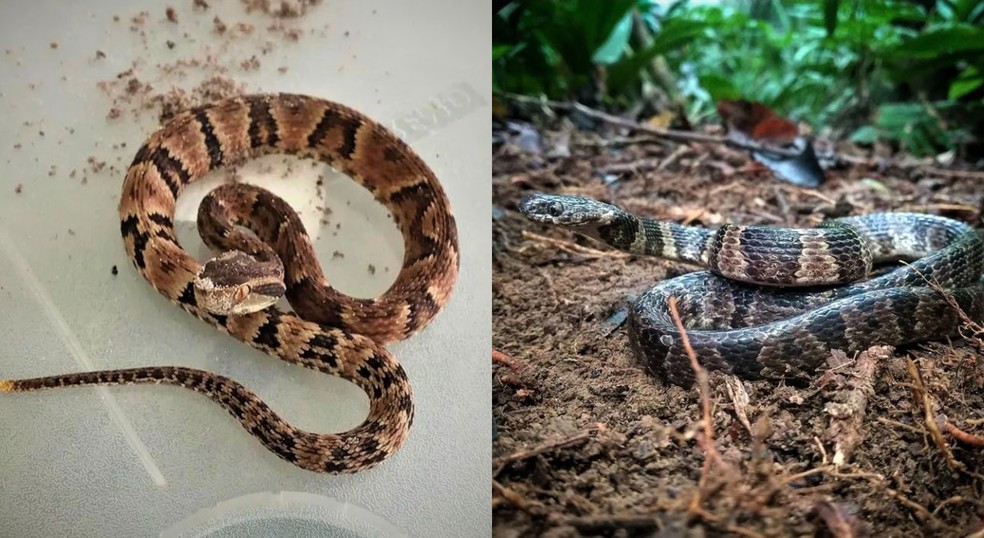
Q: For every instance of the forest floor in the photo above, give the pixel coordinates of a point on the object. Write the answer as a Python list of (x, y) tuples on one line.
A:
[(589, 443)]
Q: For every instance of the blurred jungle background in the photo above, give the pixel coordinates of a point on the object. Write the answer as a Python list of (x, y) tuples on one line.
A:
[(780, 113), (908, 73)]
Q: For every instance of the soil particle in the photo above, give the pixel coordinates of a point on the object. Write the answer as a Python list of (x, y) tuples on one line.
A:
[(589, 443)]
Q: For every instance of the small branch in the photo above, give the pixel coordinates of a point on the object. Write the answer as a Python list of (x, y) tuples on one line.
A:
[(506, 495), (674, 157), (879, 481), (707, 441), (574, 248), (618, 141), (502, 358), (502, 462), (929, 417), (608, 523), (946, 172), (974, 326), (633, 167), (669, 134), (962, 436), (840, 523), (848, 413), (923, 208)]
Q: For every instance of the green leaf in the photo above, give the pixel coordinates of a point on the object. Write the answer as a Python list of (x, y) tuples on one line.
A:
[(975, 11), (969, 80), (575, 29), (499, 51), (913, 126), (675, 34), (830, 16), (719, 87), (865, 135), (944, 9), (942, 40), (612, 49)]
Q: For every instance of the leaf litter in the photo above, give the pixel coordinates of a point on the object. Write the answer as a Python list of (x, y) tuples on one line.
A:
[(588, 443)]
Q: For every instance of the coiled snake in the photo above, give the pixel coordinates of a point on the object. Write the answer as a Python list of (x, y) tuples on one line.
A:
[(328, 332), (739, 316)]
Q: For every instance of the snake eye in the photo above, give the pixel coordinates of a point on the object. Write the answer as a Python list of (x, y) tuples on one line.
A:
[(555, 209)]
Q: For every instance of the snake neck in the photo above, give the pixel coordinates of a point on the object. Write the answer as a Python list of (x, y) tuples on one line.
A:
[(647, 237)]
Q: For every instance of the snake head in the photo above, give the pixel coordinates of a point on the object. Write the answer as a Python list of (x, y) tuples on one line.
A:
[(570, 211), (237, 283)]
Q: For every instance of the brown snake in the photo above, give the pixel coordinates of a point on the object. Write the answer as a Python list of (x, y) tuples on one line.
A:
[(329, 332)]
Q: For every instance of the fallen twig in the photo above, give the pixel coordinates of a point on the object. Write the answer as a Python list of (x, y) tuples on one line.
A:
[(502, 358), (957, 499), (574, 248), (619, 141), (924, 208), (740, 400), (634, 167), (504, 494), (502, 462), (974, 326), (840, 522), (674, 157), (899, 425), (669, 134), (962, 436), (946, 172), (879, 481), (848, 413), (703, 383), (608, 523), (929, 417)]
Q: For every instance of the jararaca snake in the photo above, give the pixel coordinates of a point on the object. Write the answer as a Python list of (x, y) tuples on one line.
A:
[(328, 331)]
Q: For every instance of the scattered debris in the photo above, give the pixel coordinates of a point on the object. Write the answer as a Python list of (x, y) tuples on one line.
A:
[(281, 8), (219, 26), (778, 445), (252, 64)]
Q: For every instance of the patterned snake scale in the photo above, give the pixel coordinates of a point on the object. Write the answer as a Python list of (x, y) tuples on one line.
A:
[(330, 332), (767, 329)]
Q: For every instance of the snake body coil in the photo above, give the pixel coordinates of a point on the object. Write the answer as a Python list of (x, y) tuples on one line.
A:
[(740, 315), (330, 332)]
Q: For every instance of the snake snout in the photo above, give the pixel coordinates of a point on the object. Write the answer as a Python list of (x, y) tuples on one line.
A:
[(571, 211), (541, 209)]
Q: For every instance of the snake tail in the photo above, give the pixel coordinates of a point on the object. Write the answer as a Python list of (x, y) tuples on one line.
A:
[(315, 452)]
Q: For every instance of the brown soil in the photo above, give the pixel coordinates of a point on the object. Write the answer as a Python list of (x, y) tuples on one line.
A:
[(590, 443)]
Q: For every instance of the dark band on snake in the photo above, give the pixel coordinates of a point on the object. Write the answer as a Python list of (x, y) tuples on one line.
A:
[(329, 332), (776, 302)]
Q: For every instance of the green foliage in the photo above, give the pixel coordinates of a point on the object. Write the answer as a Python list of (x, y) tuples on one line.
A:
[(892, 69), (548, 47)]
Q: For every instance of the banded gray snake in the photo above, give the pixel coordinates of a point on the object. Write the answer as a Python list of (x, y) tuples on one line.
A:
[(775, 302)]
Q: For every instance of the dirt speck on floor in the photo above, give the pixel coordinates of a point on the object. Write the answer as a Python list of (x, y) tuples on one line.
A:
[(162, 88), (589, 443)]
